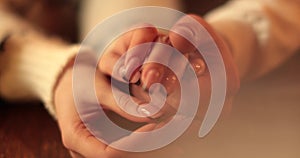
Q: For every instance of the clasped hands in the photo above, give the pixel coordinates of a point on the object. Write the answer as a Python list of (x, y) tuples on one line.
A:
[(82, 143)]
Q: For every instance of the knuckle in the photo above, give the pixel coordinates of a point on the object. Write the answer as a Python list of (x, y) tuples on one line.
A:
[(67, 137), (151, 30), (66, 141)]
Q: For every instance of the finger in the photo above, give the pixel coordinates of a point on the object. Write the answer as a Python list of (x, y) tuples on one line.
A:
[(118, 101), (84, 143), (177, 66), (88, 104), (157, 104), (149, 109), (187, 34), (198, 66), (133, 58), (75, 136), (153, 71), (152, 105), (170, 81), (137, 52)]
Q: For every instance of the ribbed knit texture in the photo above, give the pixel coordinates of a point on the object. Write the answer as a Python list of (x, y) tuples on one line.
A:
[(33, 65), (31, 62)]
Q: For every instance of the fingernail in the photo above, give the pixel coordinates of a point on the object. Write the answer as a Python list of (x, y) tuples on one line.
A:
[(136, 77), (198, 66), (184, 30), (127, 70), (148, 110), (154, 88), (189, 31), (164, 39), (158, 96), (152, 76), (122, 73), (144, 87), (170, 83), (132, 65)]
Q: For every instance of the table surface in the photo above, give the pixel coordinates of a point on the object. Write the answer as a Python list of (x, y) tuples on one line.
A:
[(27, 130), (264, 122)]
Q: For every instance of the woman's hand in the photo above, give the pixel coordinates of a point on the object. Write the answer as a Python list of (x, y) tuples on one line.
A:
[(76, 137), (131, 67), (79, 140)]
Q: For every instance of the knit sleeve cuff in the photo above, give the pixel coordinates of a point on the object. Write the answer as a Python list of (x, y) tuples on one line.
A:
[(248, 12), (33, 66)]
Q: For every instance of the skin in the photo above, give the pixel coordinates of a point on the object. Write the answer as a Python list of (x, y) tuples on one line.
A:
[(82, 143)]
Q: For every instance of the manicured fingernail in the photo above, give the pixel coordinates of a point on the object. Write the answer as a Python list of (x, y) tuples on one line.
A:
[(127, 70), (122, 73), (136, 77), (132, 64), (148, 110), (154, 88), (158, 96), (169, 82), (184, 30), (164, 39), (152, 76), (189, 30), (198, 66)]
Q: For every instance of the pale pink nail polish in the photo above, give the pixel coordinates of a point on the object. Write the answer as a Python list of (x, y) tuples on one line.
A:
[(199, 66), (152, 76), (127, 71), (148, 110), (135, 78)]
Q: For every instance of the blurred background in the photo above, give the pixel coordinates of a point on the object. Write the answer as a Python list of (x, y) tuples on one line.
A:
[(264, 122)]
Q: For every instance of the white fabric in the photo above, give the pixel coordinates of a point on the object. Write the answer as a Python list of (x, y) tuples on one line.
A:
[(248, 11)]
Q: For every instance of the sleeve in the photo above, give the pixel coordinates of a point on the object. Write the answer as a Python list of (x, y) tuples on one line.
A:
[(30, 62), (262, 34)]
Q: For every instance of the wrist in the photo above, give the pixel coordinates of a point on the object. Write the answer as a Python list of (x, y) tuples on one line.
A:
[(68, 67), (33, 70)]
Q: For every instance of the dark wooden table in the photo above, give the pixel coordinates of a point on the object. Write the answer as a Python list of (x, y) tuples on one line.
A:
[(28, 131)]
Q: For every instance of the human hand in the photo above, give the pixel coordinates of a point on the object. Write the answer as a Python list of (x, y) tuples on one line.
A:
[(124, 62), (76, 135), (128, 46), (78, 138)]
